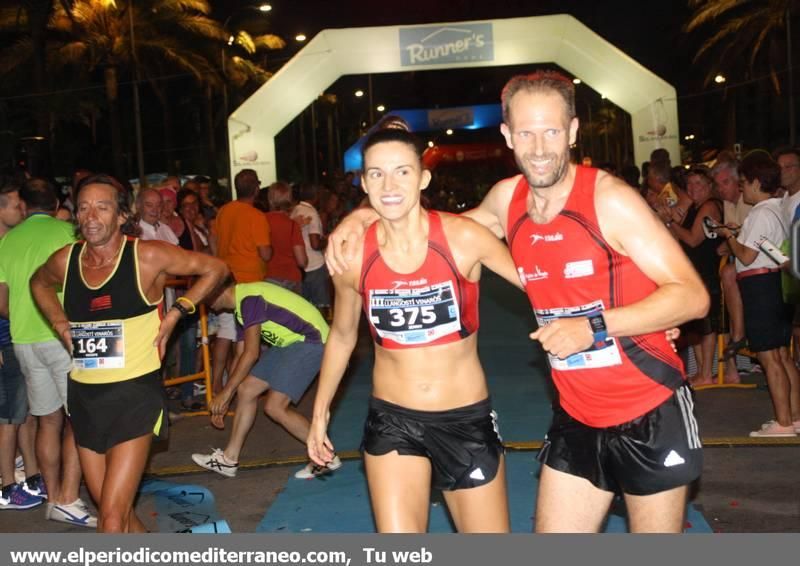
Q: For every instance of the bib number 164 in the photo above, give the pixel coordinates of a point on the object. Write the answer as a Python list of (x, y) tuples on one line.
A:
[(91, 345)]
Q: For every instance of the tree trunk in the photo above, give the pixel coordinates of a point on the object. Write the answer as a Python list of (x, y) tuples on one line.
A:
[(212, 139), (112, 94), (38, 14), (166, 116), (729, 118)]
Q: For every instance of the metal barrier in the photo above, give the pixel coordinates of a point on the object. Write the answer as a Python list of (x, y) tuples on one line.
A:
[(205, 373)]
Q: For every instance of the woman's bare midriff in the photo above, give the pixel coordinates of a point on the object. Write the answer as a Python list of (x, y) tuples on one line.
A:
[(433, 378)]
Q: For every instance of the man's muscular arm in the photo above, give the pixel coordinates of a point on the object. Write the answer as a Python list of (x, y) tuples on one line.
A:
[(631, 229), (157, 260), (493, 209)]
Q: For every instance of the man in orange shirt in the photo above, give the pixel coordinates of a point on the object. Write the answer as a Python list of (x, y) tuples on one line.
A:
[(242, 232)]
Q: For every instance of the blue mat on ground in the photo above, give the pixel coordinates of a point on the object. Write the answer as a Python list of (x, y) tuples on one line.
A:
[(339, 503), (183, 508)]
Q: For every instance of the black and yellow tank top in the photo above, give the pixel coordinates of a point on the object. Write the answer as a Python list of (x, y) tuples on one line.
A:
[(113, 325)]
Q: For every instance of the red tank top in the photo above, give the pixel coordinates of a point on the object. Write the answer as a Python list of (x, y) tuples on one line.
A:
[(568, 269), (433, 305)]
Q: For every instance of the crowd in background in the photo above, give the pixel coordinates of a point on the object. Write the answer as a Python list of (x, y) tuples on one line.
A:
[(730, 218)]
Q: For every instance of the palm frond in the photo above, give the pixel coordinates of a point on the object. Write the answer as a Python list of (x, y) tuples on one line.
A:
[(18, 54), (200, 6), (73, 52), (268, 41), (245, 41), (12, 19), (709, 10)]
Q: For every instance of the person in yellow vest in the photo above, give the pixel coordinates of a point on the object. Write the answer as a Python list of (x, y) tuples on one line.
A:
[(113, 323)]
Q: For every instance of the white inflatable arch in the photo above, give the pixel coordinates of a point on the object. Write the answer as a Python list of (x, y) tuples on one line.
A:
[(559, 39)]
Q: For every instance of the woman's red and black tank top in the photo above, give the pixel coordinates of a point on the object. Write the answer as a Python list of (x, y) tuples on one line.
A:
[(569, 270), (433, 305)]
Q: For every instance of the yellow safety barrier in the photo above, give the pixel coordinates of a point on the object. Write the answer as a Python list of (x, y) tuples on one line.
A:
[(205, 373)]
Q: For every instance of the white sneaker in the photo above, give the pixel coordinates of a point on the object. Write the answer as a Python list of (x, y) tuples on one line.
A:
[(75, 513), (216, 462), (771, 429), (312, 470)]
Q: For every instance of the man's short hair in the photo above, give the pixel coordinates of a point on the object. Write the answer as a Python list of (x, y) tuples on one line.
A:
[(660, 155), (722, 166), (781, 151), (7, 186), (246, 183), (202, 179), (539, 81), (280, 196), (308, 192), (39, 194), (759, 165), (660, 170)]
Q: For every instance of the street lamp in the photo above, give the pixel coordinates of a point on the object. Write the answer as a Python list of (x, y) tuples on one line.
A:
[(265, 8), (300, 37), (719, 79), (380, 108), (359, 93)]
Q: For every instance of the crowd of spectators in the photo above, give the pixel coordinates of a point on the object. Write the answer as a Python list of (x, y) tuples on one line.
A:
[(728, 216)]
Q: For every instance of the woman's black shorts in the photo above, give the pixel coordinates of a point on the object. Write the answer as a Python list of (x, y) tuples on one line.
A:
[(463, 444)]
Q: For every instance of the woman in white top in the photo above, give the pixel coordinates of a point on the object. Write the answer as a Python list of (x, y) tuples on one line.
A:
[(767, 318)]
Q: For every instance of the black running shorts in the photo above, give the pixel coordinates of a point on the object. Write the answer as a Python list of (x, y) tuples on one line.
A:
[(658, 451), (106, 414), (463, 444)]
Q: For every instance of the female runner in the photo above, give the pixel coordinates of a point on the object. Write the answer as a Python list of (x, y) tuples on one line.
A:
[(430, 419)]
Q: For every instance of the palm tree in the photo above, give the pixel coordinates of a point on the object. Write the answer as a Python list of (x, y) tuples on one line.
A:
[(94, 36), (753, 32)]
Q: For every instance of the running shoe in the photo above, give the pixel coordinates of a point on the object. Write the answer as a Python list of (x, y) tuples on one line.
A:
[(312, 470), (75, 513), (15, 497), (771, 429), (35, 486), (216, 462)]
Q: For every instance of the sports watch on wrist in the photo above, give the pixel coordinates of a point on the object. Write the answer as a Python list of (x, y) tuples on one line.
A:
[(599, 330)]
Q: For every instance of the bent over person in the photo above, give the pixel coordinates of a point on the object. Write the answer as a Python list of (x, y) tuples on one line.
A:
[(112, 322), (296, 333)]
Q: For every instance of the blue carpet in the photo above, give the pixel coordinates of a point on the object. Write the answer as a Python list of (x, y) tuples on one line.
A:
[(339, 503)]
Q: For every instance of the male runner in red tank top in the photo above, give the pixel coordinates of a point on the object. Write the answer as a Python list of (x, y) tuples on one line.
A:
[(605, 278)]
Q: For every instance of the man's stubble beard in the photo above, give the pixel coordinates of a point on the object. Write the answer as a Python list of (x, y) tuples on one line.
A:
[(562, 164)]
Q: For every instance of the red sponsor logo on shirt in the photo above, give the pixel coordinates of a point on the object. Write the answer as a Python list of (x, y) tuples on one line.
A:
[(100, 303)]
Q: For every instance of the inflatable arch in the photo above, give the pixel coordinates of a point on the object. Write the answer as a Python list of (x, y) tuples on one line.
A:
[(559, 39)]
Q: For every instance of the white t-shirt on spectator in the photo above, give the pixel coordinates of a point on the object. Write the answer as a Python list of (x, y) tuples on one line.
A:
[(735, 213), (311, 225), (789, 204), (158, 232), (764, 220)]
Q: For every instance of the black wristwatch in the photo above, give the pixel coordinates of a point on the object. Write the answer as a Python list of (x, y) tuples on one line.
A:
[(599, 330)]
